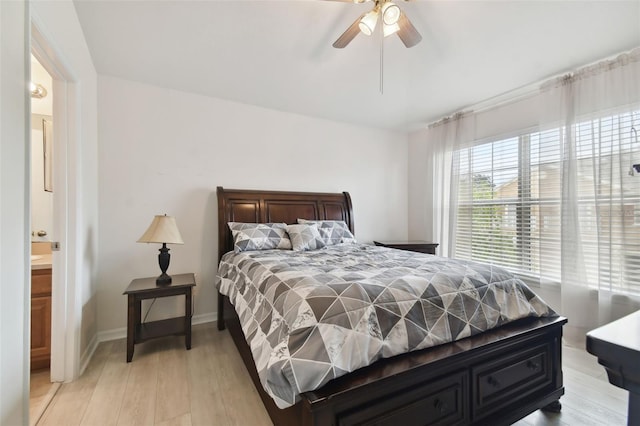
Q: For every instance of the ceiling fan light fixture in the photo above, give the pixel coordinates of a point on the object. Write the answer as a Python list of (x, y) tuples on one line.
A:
[(368, 22), (388, 30), (390, 13), (394, 21)]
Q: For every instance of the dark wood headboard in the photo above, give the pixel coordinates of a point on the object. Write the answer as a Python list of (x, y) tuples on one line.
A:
[(242, 205)]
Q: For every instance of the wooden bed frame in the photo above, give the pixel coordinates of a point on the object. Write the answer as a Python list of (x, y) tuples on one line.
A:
[(496, 377)]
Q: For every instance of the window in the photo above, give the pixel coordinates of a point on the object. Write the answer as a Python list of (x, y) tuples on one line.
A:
[(514, 193)]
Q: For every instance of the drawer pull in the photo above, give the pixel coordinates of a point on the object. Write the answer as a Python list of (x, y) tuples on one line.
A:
[(493, 382), (442, 407), (531, 365)]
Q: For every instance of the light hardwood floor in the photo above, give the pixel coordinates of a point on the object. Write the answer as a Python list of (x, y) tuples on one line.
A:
[(208, 385), (41, 392)]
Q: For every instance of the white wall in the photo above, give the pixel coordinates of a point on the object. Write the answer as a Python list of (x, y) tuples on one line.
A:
[(14, 217), (165, 151), (75, 180), (419, 189)]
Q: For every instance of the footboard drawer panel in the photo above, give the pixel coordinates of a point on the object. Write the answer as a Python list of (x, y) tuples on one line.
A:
[(510, 378), (437, 402)]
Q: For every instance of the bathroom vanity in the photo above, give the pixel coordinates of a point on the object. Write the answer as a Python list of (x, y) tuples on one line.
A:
[(40, 311)]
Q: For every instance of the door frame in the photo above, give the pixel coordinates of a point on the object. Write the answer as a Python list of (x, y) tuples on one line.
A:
[(65, 337)]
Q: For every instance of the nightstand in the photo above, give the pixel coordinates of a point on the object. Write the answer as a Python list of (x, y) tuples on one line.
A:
[(417, 246), (146, 288)]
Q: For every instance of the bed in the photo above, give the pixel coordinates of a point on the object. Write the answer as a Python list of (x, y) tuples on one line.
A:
[(496, 377)]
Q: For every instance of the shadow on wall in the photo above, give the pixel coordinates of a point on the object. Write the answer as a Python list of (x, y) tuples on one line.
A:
[(89, 328), (89, 324), (199, 253), (209, 259)]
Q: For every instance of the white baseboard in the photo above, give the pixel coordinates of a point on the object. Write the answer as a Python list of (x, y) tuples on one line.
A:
[(113, 334), (121, 333), (204, 318)]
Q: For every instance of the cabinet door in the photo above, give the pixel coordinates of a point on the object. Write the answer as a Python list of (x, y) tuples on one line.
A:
[(40, 283), (40, 332), (40, 318)]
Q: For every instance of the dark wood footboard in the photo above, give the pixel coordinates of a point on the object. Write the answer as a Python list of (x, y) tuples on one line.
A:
[(494, 378)]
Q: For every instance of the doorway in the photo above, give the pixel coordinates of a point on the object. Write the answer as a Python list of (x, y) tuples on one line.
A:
[(42, 388)]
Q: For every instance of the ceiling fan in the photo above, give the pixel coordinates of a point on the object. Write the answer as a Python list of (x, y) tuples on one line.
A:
[(393, 21)]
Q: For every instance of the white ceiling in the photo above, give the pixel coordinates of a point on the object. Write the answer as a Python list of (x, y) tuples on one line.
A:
[(278, 54)]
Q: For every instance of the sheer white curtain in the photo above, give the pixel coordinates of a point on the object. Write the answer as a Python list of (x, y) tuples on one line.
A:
[(558, 205), (444, 138), (591, 116)]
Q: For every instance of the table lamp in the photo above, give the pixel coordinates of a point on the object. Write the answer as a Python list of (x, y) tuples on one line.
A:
[(163, 230)]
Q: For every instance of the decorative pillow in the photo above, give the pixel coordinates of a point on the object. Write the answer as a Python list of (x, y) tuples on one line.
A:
[(305, 236), (259, 236), (332, 231)]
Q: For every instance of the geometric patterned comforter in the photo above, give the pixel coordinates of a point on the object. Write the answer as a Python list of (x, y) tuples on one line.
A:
[(316, 315)]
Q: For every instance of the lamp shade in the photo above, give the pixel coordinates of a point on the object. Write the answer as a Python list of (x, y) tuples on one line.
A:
[(390, 13), (388, 30), (368, 22), (163, 229)]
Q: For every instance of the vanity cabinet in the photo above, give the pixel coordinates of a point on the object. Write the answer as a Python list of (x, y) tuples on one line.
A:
[(40, 318)]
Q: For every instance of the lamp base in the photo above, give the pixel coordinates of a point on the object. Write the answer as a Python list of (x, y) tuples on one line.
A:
[(163, 279), (163, 261)]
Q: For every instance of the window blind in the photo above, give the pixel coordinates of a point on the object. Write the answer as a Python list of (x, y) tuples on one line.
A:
[(518, 197)]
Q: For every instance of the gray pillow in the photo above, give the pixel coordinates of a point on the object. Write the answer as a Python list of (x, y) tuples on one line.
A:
[(305, 237), (259, 236), (332, 231)]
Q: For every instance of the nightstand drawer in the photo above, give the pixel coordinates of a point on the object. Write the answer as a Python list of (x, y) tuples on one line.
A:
[(416, 246)]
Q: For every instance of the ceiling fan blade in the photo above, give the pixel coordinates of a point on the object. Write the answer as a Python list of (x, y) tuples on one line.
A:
[(348, 35), (407, 32)]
